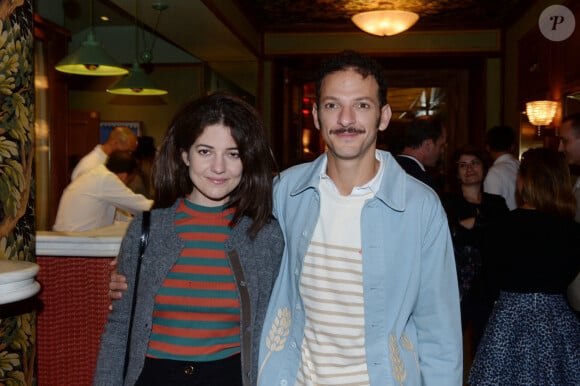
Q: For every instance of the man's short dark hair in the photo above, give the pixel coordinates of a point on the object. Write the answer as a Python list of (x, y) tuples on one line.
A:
[(362, 64), (121, 162), (500, 138), (422, 128)]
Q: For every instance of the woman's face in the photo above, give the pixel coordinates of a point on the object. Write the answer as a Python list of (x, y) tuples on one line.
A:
[(469, 170), (215, 167)]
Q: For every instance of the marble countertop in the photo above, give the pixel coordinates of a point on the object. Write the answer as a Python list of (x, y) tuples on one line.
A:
[(102, 242)]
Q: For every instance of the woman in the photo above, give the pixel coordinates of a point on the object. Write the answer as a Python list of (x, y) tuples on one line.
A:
[(470, 212), (533, 336), (212, 259)]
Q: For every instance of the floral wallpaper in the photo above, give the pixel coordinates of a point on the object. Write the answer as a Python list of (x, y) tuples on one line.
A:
[(17, 320)]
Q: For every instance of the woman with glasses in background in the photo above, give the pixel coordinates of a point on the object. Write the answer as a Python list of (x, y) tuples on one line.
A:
[(470, 211)]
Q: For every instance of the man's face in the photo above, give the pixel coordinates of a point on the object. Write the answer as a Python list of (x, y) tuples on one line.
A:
[(569, 143), (349, 115)]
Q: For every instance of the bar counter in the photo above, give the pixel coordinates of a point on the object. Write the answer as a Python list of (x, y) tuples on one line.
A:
[(73, 301)]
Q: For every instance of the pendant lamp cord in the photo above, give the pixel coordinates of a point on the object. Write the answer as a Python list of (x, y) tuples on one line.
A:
[(136, 31), (91, 16), (147, 55)]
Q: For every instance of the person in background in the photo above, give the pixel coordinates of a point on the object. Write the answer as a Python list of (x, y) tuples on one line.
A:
[(367, 292), (357, 307), (213, 255), (145, 156), (90, 201), (121, 138), (533, 336), (470, 211), (569, 132), (424, 142), (501, 176)]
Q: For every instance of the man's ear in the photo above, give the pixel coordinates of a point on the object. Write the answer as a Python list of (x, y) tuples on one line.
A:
[(315, 116), (386, 115)]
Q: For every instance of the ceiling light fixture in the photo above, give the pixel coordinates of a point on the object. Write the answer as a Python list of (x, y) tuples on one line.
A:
[(90, 58), (385, 22), (137, 83)]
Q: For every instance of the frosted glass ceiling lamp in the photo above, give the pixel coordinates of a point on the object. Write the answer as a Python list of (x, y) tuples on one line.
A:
[(385, 22), (136, 83), (90, 58)]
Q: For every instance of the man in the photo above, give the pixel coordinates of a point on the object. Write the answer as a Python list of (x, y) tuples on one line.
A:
[(424, 143), (91, 200), (121, 138), (501, 176), (570, 145), (367, 291)]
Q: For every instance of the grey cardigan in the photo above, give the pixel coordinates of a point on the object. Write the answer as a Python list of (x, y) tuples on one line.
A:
[(255, 263)]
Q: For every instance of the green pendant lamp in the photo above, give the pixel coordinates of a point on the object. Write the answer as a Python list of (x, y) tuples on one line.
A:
[(137, 83), (91, 58)]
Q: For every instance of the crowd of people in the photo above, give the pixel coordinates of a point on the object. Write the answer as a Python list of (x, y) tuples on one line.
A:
[(357, 268)]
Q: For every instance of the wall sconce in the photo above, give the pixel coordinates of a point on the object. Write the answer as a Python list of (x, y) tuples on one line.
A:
[(541, 113), (385, 22)]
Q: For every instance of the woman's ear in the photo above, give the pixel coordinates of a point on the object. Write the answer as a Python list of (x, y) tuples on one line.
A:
[(185, 157)]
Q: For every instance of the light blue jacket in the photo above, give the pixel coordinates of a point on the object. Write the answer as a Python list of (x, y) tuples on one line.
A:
[(413, 327)]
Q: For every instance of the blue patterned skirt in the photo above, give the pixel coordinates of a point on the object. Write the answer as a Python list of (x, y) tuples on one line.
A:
[(530, 339)]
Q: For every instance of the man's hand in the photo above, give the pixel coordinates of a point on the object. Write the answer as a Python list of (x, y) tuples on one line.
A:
[(117, 284)]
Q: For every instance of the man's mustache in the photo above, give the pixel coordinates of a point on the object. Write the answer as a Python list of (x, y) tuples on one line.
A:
[(347, 130)]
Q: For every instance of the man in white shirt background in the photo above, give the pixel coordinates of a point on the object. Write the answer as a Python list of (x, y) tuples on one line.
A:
[(90, 201), (501, 176), (121, 138)]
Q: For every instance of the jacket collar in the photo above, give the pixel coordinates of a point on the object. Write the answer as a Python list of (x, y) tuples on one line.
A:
[(392, 187)]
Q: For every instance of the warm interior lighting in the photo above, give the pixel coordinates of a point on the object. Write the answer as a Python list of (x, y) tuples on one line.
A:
[(385, 22), (90, 58), (541, 113), (136, 83)]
